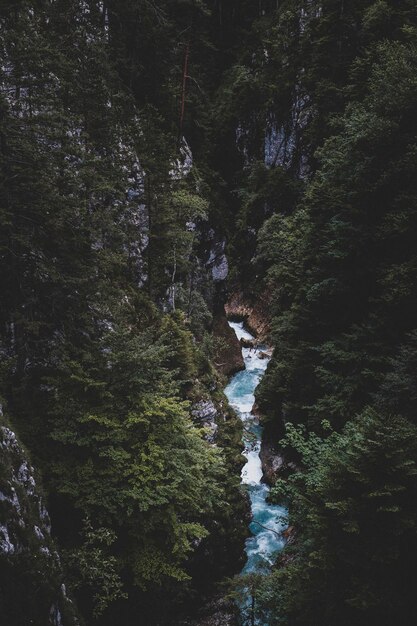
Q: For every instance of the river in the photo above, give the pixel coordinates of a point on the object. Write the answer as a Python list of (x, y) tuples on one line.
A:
[(267, 520)]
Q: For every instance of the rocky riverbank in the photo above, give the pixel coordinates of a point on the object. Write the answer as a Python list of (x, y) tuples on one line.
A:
[(228, 357), (255, 314)]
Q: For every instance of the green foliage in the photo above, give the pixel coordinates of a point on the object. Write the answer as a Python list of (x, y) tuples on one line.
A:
[(89, 566), (341, 269), (344, 292), (101, 292), (141, 468), (32, 577), (106, 302), (353, 506), (398, 391), (245, 590)]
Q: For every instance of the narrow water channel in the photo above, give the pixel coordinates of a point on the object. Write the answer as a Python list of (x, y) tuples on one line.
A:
[(267, 524)]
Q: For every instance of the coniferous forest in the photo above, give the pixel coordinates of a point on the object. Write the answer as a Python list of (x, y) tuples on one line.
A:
[(167, 167)]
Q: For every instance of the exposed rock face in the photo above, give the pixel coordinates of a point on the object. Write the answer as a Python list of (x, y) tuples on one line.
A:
[(228, 358), (206, 414), (19, 500), (31, 578), (183, 165), (217, 261), (256, 314), (272, 462), (138, 221), (283, 141), (275, 464)]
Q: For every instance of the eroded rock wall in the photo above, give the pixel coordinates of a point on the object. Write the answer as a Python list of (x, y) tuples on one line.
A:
[(255, 313), (32, 587)]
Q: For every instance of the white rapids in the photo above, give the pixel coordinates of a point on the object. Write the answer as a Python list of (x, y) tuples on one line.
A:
[(267, 519)]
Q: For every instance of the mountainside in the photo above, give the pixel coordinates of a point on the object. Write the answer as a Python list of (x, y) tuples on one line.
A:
[(165, 163)]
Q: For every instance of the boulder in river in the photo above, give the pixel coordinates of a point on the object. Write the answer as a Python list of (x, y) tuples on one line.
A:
[(290, 535), (272, 464), (248, 343)]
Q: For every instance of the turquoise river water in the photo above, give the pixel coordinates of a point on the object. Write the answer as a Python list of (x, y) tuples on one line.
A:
[(267, 520)]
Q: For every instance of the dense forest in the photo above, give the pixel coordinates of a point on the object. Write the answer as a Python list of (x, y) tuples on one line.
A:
[(157, 158)]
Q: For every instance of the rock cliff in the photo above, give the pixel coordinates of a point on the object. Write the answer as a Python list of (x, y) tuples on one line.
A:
[(31, 576), (255, 313)]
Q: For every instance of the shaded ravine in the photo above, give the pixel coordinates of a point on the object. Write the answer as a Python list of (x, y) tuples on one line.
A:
[(267, 524)]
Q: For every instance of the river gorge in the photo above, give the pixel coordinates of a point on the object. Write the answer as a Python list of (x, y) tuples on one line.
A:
[(268, 520)]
